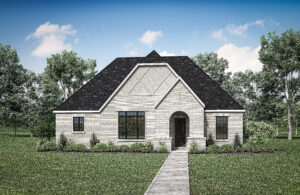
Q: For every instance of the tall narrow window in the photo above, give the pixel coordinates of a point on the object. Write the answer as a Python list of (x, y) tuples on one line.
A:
[(221, 127), (78, 124), (131, 125)]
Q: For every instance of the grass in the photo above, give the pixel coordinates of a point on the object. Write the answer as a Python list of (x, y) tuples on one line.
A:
[(276, 173), (26, 171)]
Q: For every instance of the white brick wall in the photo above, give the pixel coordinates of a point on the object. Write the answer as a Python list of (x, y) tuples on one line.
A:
[(235, 125)]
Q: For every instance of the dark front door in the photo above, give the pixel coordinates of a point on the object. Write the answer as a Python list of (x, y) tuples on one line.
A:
[(180, 133)]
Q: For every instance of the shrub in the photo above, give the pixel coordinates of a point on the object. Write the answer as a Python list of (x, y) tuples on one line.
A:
[(44, 129), (94, 140), (259, 132), (148, 147), (62, 141), (162, 147), (213, 149), (47, 146), (237, 141), (123, 148), (100, 147), (137, 147), (210, 140), (111, 147), (227, 148), (72, 147), (193, 148)]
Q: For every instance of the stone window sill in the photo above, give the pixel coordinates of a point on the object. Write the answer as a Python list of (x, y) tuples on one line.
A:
[(78, 132), (131, 140), (221, 140)]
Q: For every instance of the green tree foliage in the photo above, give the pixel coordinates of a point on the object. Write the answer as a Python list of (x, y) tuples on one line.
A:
[(280, 56), (12, 87), (244, 90), (69, 72), (215, 67), (44, 129)]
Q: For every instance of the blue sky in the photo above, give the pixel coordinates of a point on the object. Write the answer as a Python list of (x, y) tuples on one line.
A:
[(104, 30)]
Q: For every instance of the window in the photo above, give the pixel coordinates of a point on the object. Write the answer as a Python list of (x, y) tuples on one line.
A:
[(221, 127), (131, 125), (78, 124)]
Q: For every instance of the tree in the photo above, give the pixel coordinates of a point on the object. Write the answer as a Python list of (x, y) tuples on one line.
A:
[(215, 67), (280, 56), (32, 98), (244, 90), (69, 71), (12, 87)]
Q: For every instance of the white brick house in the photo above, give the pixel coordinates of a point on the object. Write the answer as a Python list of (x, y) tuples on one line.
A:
[(161, 99)]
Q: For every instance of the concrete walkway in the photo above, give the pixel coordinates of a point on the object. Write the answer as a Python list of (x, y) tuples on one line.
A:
[(173, 176)]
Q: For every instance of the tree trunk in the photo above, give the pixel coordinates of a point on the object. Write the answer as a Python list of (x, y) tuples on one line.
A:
[(289, 120), (296, 127), (277, 129), (15, 129)]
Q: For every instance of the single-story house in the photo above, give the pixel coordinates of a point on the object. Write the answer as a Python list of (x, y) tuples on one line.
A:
[(153, 98)]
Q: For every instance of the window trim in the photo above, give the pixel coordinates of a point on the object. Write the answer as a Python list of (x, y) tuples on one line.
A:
[(137, 125), (78, 131), (222, 139)]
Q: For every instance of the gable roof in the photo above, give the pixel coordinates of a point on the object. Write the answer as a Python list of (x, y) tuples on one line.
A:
[(97, 91)]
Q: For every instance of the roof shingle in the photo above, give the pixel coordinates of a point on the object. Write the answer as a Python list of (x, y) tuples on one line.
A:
[(94, 93)]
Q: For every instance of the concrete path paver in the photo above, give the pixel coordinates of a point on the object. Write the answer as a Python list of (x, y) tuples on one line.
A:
[(173, 176)]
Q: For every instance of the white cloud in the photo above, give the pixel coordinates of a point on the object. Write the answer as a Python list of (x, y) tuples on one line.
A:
[(133, 52), (165, 53), (51, 38), (240, 58), (149, 37), (218, 34), (241, 29), (127, 45), (76, 40), (184, 53)]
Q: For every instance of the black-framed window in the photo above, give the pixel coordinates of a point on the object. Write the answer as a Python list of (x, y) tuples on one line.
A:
[(221, 127), (132, 125), (78, 123)]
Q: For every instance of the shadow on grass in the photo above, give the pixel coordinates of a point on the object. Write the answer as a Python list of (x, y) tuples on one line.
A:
[(285, 137)]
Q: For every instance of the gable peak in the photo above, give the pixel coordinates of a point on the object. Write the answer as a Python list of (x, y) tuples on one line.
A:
[(153, 54)]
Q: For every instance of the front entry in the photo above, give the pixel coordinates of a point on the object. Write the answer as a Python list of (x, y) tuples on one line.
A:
[(180, 132)]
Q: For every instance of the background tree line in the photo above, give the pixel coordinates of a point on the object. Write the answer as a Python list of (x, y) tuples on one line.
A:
[(271, 95), (28, 99)]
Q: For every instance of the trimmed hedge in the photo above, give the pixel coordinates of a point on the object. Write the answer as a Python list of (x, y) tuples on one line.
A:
[(214, 149), (70, 146)]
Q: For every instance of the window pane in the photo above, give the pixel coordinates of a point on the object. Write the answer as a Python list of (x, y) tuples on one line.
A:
[(131, 113), (75, 124), (221, 127), (141, 127), (81, 124), (122, 113), (131, 127), (122, 127), (141, 113)]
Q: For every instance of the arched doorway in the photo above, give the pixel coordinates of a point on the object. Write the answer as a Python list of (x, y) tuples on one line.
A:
[(179, 129)]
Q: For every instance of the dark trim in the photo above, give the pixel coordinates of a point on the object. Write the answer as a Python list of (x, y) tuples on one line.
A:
[(138, 134), (222, 123), (78, 124)]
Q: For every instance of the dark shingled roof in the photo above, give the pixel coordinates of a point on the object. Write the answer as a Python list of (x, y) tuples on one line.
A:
[(94, 93)]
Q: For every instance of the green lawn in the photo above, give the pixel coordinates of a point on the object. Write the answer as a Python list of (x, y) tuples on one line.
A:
[(23, 170), (277, 173)]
